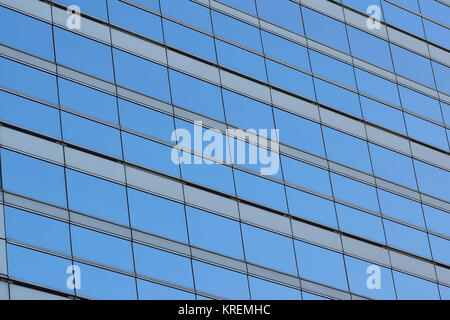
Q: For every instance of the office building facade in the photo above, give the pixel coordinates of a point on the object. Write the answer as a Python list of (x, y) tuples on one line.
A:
[(232, 149)]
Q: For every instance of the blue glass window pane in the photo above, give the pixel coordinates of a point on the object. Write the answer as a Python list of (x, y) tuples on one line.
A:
[(310, 296), (26, 34), (437, 220), (332, 69), (196, 95), (358, 278), (411, 4), (37, 231), (202, 172), (284, 13), (369, 48), (105, 285), (426, 131), (285, 50), (97, 197), (163, 265), (149, 154), (442, 76), (144, 120), (98, 247), (298, 132), (33, 178), (306, 176), (187, 11), (271, 170), (412, 288), (135, 19), (38, 268), (290, 79), (220, 282), (91, 134), (29, 114), (383, 115), (360, 223), (420, 104), (403, 19), (354, 192), (448, 135), (347, 149), (153, 291), (432, 180), (214, 233), (246, 113), (195, 131), (440, 248), (265, 290), (241, 60), (28, 80), (236, 31), (88, 101), (311, 207), (269, 249), (404, 59), (260, 190), (83, 54), (437, 33), (255, 156), (361, 5), (189, 40), (156, 215), (392, 166), (244, 5), (406, 238), (445, 292), (315, 24), (435, 10), (94, 8), (141, 75), (337, 97), (214, 143), (149, 4), (401, 208), (314, 264), (377, 87)]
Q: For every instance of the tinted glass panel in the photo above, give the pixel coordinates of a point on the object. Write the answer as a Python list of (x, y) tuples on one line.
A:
[(269, 249), (412, 288), (265, 290), (163, 265), (314, 264), (156, 215), (37, 231), (33, 178), (220, 282), (281, 12), (30, 115), (33, 36), (83, 54), (359, 277), (47, 270), (97, 197), (214, 233), (93, 246), (141, 75)]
